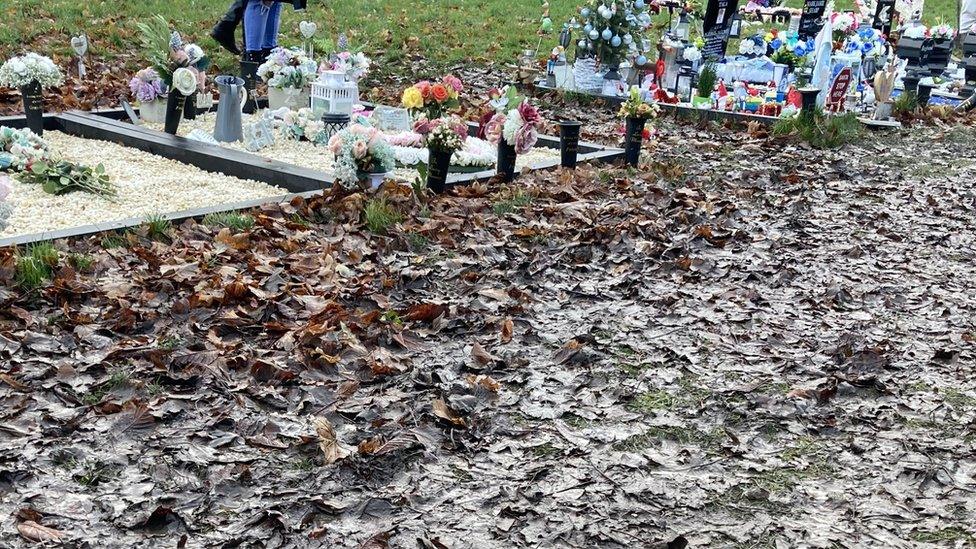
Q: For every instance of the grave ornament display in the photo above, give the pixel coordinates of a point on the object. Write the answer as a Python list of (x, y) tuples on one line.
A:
[(31, 73), (636, 112), (80, 45), (446, 137), (180, 65), (613, 32), (361, 156), (289, 75), (514, 128), (149, 91)]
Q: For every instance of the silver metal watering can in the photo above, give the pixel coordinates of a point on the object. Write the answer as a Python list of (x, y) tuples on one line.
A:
[(233, 95)]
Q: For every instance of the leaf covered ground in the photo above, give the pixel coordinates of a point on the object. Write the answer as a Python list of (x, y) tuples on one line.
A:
[(746, 343)]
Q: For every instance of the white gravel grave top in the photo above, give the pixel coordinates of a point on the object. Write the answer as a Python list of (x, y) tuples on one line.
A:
[(147, 184), (307, 155)]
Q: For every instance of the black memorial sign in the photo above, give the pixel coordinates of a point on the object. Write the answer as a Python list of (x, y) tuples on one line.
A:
[(716, 26), (810, 18), (883, 15)]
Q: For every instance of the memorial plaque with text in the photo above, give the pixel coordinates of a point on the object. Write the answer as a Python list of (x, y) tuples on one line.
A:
[(811, 18), (716, 27)]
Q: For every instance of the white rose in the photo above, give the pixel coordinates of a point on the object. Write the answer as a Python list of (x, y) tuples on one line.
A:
[(692, 54), (184, 81)]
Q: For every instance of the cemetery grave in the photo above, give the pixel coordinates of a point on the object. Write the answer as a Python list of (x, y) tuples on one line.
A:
[(330, 293)]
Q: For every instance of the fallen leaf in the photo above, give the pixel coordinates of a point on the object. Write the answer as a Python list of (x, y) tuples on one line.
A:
[(38, 532), (443, 411), (329, 442)]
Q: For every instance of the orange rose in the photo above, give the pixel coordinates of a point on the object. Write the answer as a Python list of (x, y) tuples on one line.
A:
[(424, 87), (440, 93)]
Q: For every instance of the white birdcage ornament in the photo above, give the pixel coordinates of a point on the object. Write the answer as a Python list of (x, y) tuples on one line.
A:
[(332, 94)]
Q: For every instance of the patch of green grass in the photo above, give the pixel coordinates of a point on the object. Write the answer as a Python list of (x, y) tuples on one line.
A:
[(958, 399), (119, 378), (653, 401), (158, 227), (392, 317), (36, 265), (81, 262), (708, 441), (905, 103), (545, 450), (821, 131), (169, 343), (155, 388), (113, 240), (232, 220), (93, 473), (303, 464), (380, 215), (945, 536), (417, 242), (517, 202)]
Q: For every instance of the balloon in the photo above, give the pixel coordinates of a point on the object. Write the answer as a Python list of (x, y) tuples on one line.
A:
[(615, 41), (607, 34)]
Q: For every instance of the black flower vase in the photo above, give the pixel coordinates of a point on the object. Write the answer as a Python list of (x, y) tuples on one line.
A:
[(924, 93), (33, 96), (633, 140), (506, 161), (174, 111), (569, 133), (437, 169), (190, 107), (808, 101)]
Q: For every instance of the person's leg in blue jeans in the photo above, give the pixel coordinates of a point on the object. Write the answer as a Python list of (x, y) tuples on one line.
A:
[(255, 20), (271, 27)]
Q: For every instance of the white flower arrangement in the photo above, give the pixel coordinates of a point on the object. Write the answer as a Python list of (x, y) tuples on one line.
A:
[(915, 32), (692, 54), (752, 46), (303, 124), (843, 22), (354, 65), (477, 153), (445, 137), (942, 32), (20, 148), (287, 68), (360, 150), (23, 70)]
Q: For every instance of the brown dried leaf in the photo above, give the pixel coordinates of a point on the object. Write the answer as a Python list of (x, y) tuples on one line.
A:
[(37, 532), (508, 327), (329, 442), (443, 411)]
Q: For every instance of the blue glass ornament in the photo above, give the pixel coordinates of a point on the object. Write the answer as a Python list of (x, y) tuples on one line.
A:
[(594, 34), (615, 41), (607, 34), (641, 59)]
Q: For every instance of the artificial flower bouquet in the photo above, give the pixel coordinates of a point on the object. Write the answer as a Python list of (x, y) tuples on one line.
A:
[(942, 33), (22, 71), (516, 122), (635, 107), (915, 32), (354, 65), (21, 148), (360, 151), (288, 68), (434, 99), (181, 66), (146, 86), (753, 46), (303, 124), (868, 42), (842, 25), (447, 134)]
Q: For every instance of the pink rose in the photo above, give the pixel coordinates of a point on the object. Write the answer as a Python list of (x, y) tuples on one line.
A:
[(335, 144), (530, 115), (424, 87), (525, 139), (493, 131), (454, 83), (360, 149)]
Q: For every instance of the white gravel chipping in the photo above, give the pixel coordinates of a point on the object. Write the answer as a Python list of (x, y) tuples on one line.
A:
[(147, 184), (306, 155)]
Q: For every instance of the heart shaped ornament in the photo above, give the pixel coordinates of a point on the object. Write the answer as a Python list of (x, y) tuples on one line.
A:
[(308, 29), (80, 44)]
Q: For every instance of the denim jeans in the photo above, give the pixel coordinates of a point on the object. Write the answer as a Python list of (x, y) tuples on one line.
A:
[(261, 22)]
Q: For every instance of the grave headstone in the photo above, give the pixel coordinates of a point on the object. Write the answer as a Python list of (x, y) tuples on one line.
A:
[(717, 27), (811, 18), (884, 13)]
